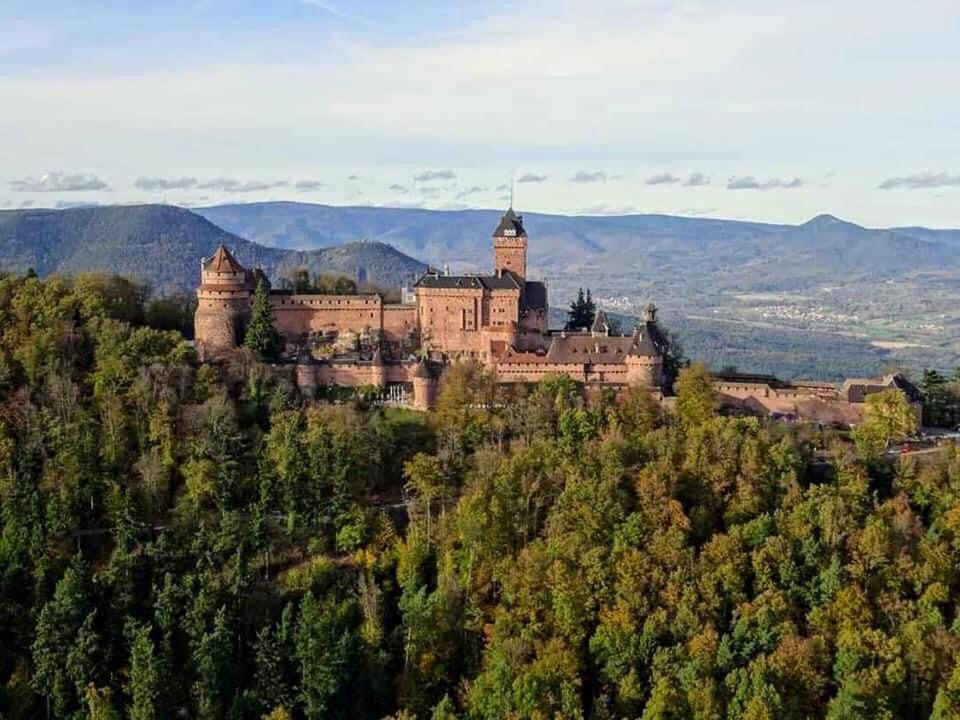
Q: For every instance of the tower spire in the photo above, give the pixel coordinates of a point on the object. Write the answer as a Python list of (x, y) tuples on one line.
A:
[(512, 175)]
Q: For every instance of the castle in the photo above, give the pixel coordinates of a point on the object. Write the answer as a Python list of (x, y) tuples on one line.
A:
[(499, 320)]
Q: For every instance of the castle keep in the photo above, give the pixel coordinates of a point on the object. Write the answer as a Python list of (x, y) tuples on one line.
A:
[(499, 320)]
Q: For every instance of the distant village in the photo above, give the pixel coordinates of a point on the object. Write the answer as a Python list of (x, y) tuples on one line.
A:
[(499, 320)]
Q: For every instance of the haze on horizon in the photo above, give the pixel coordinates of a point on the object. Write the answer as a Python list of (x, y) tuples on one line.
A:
[(741, 109)]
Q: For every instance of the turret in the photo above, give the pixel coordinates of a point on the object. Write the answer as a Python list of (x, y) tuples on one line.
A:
[(424, 386), (510, 245), (223, 304), (378, 369)]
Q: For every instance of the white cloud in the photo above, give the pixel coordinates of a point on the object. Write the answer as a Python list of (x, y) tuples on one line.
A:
[(921, 181), (60, 182), (428, 175), (152, 184), (749, 182), (531, 178), (473, 190), (664, 178), (308, 185), (589, 176), (232, 185), (696, 179)]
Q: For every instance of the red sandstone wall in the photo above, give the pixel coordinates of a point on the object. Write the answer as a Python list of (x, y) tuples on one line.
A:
[(510, 254), (399, 321), (450, 320), (295, 315), (504, 308)]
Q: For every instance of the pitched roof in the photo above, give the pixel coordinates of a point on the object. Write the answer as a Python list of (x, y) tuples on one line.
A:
[(600, 326), (856, 390), (449, 282), (223, 261), (504, 281), (511, 225), (587, 349), (647, 340)]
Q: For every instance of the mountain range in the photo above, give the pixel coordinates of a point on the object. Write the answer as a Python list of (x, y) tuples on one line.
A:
[(827, 298), (745, 254)]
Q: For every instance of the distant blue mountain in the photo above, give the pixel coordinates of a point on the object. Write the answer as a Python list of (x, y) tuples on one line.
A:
[(728, 252)]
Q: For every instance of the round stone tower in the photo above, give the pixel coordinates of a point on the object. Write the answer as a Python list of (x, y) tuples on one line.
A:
[(223, 304), (424, 386)]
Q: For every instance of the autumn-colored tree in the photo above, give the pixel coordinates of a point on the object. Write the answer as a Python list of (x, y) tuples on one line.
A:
[(696, 396)]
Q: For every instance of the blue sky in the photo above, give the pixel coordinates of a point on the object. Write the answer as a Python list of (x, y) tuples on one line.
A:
[(725, 108)]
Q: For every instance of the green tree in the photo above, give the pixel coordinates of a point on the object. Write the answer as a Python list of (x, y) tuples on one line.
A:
[(582, 311), (696, 396), (100, 705), (59, 623), (261, 335), (888, 416), (144, 681), (324, 648)]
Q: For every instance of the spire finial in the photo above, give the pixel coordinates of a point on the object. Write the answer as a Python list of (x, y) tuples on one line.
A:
[(512, 174)]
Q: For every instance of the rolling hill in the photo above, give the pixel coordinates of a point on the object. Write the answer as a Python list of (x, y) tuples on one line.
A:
[(732, 253), (163, 245)]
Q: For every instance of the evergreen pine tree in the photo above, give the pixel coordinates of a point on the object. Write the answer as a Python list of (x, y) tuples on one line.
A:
[(589, 310), (582, 311), (261, 336), (144, 681)]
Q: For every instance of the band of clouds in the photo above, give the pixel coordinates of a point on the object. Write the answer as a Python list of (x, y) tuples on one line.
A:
[(920, 181), (749, 182), (222, 184), (531, 178), (60, 182)]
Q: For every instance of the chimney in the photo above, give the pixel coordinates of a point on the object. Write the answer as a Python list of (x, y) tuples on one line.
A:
[(446, 268)]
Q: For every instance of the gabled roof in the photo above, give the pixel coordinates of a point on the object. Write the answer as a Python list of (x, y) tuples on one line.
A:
[(223, 261), (503, 281), (433, 279), (511, 225), (600, 326), (586, 349)]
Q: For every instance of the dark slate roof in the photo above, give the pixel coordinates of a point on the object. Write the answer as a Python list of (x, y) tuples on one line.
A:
[(534, 295), (511, 225), (647, 340), (586, 349), (601, 325), (449, 282), (504, 281)]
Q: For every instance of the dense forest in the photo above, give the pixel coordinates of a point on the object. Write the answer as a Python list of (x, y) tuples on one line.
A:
[(200, 541)]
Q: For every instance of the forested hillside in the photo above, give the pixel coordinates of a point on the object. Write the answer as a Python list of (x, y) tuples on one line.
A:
[(185, 540), (163, 245)]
